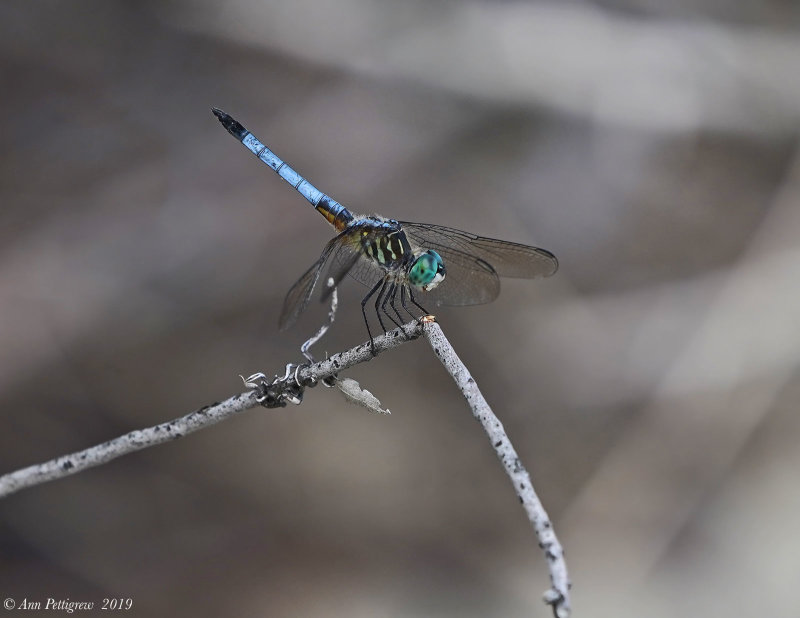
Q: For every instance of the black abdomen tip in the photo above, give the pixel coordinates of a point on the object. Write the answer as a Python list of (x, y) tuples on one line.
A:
[(231, 125)]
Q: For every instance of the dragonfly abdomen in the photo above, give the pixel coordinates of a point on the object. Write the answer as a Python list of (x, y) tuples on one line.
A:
[(336, 214)]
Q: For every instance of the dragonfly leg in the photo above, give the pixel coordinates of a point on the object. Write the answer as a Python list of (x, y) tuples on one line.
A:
[(378, 299), (393, 293), (394, 298), (403, 302), (390, 295), (413, 300), (364, 312)]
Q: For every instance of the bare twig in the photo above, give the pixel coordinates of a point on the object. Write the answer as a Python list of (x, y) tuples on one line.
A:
[(558, 595), (306, 375), (290, 388)]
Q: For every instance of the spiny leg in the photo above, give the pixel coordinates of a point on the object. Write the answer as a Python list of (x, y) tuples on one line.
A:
[(364, 313), (425, 312), (411, 296), (403, 301), (394, 298), (378, 299), (416, 304), (397, 312), (390, 295)]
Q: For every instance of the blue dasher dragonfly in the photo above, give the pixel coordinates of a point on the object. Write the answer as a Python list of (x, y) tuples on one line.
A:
[(398, 258)]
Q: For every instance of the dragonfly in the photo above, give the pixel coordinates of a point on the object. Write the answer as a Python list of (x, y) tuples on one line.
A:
[(397, 260)]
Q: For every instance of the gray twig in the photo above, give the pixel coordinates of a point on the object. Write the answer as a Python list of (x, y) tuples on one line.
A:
[(291, 386), (558, 595), (206, 416)]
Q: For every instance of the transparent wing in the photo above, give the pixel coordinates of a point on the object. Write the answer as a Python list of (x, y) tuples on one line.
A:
[(469, 280), (473, 263), (472, 282), (509, 259), (364, 270), (342, 255), (341, 264), (361, 267)]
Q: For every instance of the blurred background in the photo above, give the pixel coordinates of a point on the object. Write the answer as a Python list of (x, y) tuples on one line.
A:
[(650, 386)]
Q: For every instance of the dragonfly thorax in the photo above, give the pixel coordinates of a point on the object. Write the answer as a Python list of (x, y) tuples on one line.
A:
[(427, 271), (386, 243), (383, 241)]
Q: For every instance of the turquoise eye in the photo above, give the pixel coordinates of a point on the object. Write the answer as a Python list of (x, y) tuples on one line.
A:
[(427, 271)]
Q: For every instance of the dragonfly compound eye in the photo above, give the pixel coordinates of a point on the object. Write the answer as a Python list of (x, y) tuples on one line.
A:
[(427, 271)]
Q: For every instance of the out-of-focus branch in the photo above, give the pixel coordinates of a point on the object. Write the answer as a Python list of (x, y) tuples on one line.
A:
[(558, 595)]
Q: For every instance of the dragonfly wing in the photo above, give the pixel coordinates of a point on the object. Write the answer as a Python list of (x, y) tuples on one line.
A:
[(355, 262), (366, 271), (299, 295), (469, 280), (474, 263), (341, 264), (473, 282), (509, 259)]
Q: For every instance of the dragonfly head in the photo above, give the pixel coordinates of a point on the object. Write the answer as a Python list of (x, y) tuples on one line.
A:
[(427, 271)]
